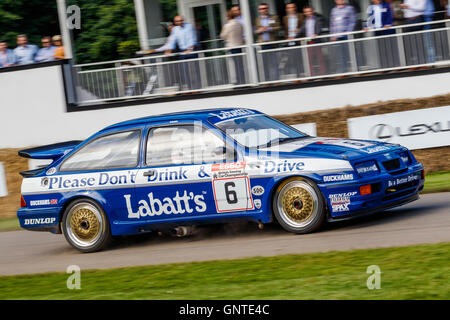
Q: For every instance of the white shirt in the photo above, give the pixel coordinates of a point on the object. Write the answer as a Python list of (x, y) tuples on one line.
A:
[(415, 8), (309, 27), (292, 25)]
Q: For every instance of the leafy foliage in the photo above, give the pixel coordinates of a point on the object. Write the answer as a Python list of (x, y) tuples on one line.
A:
[(36, 18), (104, 25)]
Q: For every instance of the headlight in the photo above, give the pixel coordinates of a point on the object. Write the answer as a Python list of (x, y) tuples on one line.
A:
[(405, 157), (367, 168)]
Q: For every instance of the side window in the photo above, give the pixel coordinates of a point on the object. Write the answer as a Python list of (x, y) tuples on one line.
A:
[(185, 144), (119, 150)]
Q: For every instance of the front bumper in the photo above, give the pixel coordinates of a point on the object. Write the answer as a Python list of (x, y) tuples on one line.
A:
[(344, 200), (40, 219)]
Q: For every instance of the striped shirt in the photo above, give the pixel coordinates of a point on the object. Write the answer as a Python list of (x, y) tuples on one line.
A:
[(342, 19)]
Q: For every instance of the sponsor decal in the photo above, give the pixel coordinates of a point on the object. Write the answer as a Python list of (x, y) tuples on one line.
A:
[(372, 168), (225, 115), (257, 203), (283, 166), (168, 175), (100, 179), (377, 149), (178, 204), (340, 201), (340, 177), (403, 180), (43, 202), (346, 143), (386, 132), (29, 222), (51, 171), (226, 170), (258, 190)]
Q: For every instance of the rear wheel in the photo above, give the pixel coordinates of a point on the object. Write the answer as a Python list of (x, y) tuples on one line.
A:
[(298, 206), (85, 226)]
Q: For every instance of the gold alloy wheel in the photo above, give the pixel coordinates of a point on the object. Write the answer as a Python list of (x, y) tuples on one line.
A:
[(297, 203), (84, 224)]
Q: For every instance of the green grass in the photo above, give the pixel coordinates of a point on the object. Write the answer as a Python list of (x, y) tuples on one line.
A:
[(437, 182), (9, 224), (415, 272)]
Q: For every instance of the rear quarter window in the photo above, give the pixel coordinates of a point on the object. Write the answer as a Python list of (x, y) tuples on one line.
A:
[(118, 150)]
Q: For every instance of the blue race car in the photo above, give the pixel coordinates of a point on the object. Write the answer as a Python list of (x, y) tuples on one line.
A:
[(209, 166)]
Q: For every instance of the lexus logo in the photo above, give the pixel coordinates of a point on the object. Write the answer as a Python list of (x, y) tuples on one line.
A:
[(382, 132), (387, 132)]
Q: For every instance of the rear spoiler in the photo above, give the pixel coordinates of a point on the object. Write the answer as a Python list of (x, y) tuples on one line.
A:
[(51, 151)]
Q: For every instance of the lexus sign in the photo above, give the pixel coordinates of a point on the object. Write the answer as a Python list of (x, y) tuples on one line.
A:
[(417, 129)]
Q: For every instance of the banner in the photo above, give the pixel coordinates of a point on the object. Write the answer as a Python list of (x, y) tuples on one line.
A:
[(416, 129)]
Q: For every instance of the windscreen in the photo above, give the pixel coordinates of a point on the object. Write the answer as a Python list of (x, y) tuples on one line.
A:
[(258, 130)]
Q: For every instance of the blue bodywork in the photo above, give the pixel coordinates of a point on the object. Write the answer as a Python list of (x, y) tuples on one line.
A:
[(187, 194)]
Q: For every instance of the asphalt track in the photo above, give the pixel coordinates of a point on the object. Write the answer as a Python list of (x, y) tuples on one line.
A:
[(426, 220)]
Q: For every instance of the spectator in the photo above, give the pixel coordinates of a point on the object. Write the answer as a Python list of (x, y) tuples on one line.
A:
[(396, 10), (413, 11), (342, 19), (184, 38), (7, 57), (428, 15), (25, 53), (292, 21), (47, 52), (236, 12), (446, 5), (232, 33), (59, 51), (312, 27), (379, 15), (267, 27)]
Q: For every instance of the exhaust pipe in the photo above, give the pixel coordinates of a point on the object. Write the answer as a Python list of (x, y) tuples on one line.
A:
[(183, 231)]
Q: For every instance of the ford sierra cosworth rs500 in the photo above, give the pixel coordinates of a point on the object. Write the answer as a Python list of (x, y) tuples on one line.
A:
[(210, 166)]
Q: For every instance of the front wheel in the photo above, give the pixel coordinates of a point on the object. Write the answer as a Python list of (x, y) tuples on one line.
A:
[(85, 226), (298, 206)]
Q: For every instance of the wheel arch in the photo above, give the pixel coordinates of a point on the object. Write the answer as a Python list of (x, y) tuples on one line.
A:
[(279, 182)]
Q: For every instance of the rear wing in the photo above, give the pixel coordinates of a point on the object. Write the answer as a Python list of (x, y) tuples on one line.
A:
[(51, 151)]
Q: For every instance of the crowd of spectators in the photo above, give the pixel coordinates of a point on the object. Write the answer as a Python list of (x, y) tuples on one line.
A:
[(26, 53)]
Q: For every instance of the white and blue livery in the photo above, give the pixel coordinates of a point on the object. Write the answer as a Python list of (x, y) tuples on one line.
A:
[(209, 166)]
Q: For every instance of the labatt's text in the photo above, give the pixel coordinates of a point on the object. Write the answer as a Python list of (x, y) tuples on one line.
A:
[(175, 205)]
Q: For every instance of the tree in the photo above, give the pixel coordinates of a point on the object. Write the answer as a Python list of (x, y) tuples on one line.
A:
[(36, 18), (105, 24)]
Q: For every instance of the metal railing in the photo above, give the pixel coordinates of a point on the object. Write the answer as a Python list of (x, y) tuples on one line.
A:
[(358, 52)]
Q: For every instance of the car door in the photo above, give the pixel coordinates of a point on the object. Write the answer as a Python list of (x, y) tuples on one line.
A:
[(182, 162)]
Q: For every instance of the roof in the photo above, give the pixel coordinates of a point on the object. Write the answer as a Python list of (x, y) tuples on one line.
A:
[(197, 115)]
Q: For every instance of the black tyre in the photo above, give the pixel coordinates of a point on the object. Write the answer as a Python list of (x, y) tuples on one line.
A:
[(86, 226), (298, 205)]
